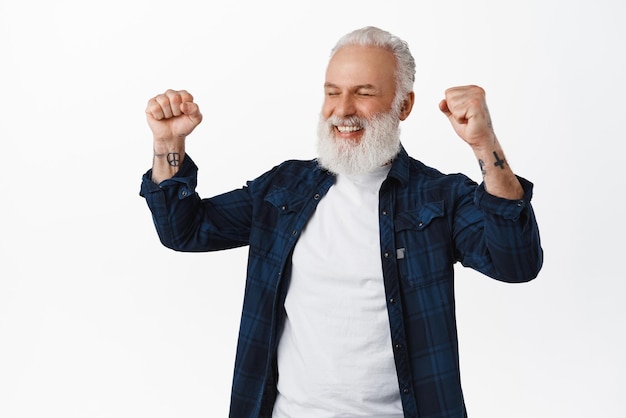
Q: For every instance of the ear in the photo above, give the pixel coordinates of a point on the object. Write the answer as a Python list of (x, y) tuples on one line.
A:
[(407, 105)]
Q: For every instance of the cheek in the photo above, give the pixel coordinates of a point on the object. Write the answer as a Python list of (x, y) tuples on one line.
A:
[(372, 109), (326, 110)]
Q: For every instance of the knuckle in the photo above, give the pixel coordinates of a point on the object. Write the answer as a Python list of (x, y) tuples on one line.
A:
[(161, 99), (479, 90), (153, 107), (186, 96)]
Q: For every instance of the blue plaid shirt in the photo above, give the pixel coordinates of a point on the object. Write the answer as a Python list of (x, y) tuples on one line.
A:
[(428, 222)]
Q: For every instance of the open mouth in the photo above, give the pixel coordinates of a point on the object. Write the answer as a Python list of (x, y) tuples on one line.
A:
[(348, 129)]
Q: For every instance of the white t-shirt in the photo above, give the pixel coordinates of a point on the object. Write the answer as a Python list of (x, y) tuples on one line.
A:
[(335, 355)]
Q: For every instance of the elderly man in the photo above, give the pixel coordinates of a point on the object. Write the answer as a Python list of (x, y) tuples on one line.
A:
[(349, 300)]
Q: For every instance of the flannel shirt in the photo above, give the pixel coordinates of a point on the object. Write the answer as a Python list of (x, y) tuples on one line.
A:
[(428, 222)]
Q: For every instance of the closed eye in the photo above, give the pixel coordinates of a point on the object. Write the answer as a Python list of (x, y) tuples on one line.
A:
[(366, 91)]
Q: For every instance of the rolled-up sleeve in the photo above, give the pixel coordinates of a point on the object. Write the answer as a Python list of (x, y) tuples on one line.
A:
[(185, 222), (509, 248)]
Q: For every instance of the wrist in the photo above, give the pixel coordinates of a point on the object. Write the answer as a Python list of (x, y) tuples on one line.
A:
[(160, 146), (167, 159), (486, 144), (171, 160)]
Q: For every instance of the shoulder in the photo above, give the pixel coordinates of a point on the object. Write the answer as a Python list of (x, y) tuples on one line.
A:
[(420, 172), (429, 183), (290, 174)]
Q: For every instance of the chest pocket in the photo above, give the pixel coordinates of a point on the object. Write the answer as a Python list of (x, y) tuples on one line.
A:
[(424, 244), (284, 200), (274, 221)]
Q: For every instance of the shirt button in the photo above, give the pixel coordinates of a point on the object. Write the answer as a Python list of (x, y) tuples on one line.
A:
[(405, 390), (398, 346), (316, 196), (392, 300), (284, 208), (386, 255), (384, 213), (294, 232)]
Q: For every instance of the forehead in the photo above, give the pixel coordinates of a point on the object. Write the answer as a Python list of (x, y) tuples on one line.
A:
[(358, 65)]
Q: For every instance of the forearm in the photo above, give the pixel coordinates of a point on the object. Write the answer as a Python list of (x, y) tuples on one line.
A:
[(498, 176), (172, 116), (167, 159), (466, 109)]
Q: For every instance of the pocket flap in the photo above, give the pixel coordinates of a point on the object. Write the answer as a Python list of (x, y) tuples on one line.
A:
[(419, 218), (284, 200)]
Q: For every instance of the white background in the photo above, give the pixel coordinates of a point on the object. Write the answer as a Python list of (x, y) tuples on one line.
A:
[(97, 319)]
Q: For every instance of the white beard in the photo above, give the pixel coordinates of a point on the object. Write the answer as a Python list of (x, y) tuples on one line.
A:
[(379, 144)]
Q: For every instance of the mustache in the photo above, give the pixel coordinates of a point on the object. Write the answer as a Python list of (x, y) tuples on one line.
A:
[(347, 121)]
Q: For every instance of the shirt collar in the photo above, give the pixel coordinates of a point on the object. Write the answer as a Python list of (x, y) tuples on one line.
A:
[(400, 167)]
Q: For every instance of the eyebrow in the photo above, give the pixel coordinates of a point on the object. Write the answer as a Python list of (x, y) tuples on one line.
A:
[(358, 87)]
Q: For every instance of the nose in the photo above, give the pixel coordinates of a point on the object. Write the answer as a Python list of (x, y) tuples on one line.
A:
[(345, 106)]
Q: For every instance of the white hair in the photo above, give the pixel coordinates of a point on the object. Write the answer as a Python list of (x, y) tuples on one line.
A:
[(405, 68)]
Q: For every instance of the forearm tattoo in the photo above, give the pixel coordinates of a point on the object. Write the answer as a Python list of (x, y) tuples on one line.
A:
[(173, 159), (499, 162)]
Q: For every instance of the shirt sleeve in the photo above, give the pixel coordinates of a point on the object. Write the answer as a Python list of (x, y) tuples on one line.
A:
[(508, 209), (502, 239), (185, 222)]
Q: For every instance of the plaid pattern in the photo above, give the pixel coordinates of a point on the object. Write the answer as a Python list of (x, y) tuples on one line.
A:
[(428, 222)]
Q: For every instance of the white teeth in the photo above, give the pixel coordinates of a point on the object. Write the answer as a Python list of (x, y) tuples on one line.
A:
[(346, 129)]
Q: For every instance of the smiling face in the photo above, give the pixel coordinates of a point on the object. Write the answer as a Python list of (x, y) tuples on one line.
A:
[(358, 130), (360, 81)]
